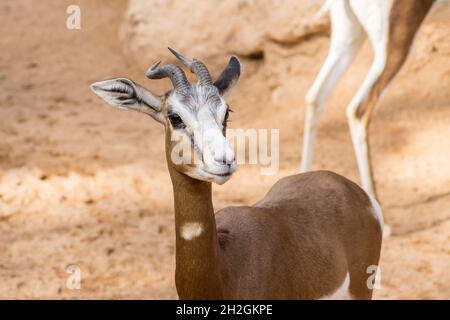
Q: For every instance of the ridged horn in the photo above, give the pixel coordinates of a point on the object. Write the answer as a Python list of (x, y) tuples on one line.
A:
[(195, 66), (171, 71)]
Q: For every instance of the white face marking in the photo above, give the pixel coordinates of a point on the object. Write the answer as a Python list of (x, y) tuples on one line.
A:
[(203, 112), (191, 230), (341, 293)]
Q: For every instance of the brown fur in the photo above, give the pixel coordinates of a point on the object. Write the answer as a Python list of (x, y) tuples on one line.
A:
[(300, 241), (296, 243)]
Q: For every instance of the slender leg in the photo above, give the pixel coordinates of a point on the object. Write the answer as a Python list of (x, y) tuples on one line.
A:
[(347, 36), (391, 27), (376, 23), (359, 123)]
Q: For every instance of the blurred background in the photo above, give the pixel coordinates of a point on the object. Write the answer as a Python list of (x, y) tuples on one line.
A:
[(83, 184)]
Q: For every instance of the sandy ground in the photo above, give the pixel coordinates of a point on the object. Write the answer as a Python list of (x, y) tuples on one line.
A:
[(83, 184)]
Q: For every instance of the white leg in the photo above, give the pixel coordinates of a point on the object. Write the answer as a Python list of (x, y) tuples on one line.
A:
[(358, 132), (374, 17), (358, 125), (347, 36)]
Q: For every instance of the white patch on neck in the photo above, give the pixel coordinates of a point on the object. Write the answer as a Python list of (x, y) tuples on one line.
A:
[(341, 293), (191, 230)]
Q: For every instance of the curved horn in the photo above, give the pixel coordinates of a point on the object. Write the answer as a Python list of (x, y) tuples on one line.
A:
[(171, 71), (196, 66)]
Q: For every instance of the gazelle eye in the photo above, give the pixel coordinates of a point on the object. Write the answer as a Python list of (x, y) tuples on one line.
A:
[(225, 120), (176, 121)]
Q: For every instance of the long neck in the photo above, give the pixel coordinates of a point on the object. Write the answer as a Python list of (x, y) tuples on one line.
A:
[(198, 274)]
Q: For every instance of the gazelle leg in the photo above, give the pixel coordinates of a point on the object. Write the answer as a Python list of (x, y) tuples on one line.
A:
[(360, 108), (397, 24), (385, 22), (358, 131), (347, 36), (358, 114)]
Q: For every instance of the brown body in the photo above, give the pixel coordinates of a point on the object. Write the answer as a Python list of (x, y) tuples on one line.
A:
[(313, 236), (298, 242), (310, 226)]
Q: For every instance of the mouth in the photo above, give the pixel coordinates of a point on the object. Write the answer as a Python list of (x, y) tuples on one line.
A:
[(206, 175), (226, 174), (220, 174), (219, 177)]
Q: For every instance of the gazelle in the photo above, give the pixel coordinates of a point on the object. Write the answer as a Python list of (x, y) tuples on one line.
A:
[(312, 236), (390, 26)]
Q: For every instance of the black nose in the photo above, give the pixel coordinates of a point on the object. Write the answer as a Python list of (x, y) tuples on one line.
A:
[(223, 161)]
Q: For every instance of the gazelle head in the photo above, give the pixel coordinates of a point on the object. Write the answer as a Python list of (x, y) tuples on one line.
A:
[(194, 116)]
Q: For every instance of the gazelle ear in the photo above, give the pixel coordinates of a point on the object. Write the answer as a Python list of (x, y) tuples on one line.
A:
[(123, 93), (229, 77)]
